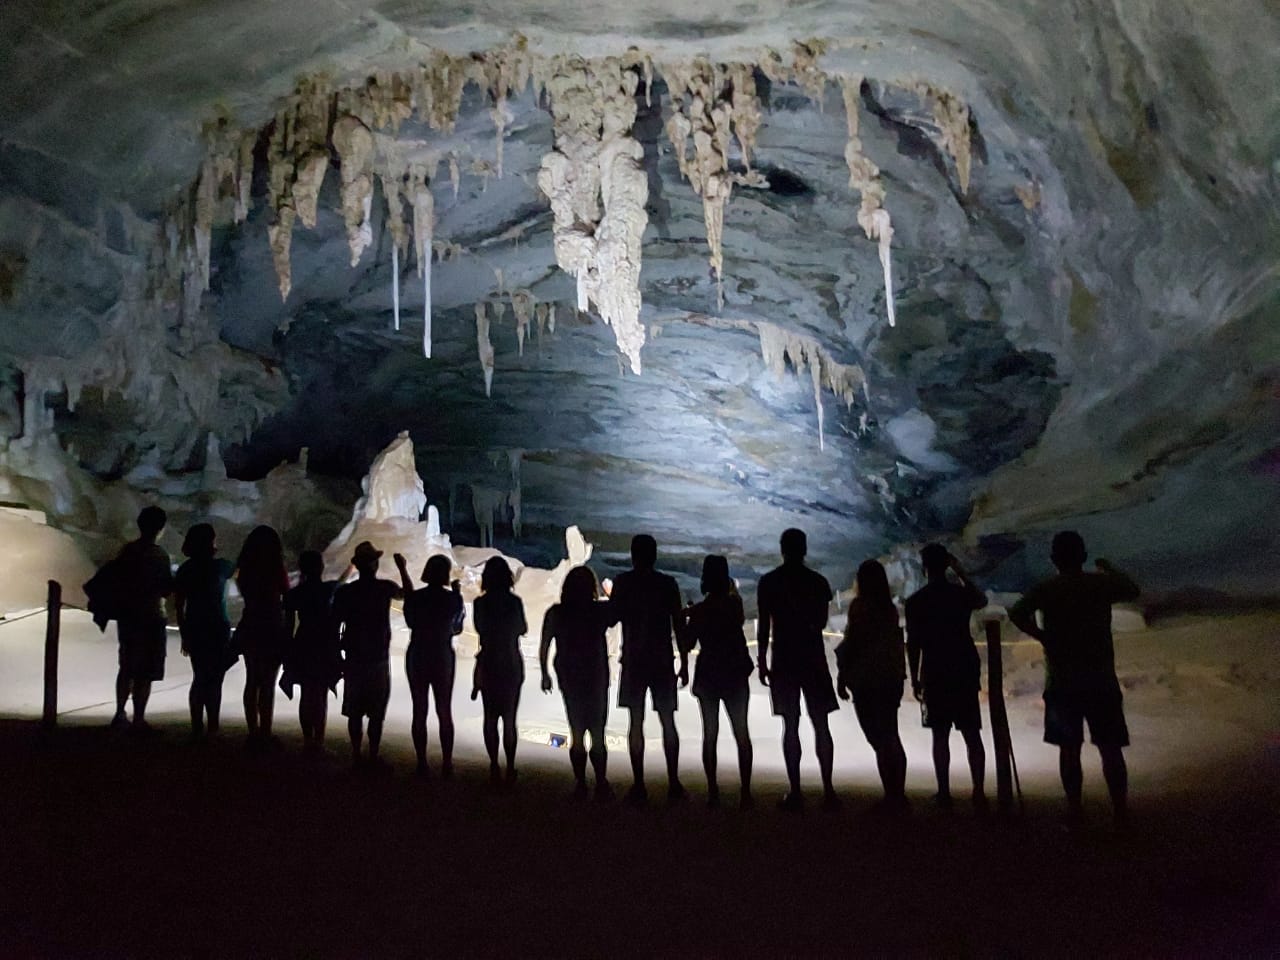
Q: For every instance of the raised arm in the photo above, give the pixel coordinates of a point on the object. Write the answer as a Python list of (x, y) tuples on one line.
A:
[(406, 582), (977, 598), (1123, 587)]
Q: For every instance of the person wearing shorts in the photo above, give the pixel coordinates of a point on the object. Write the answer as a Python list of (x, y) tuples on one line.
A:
[(648, 605), (945, 668), (362, 610), (142, 578), (1080, 672), (793, 603)]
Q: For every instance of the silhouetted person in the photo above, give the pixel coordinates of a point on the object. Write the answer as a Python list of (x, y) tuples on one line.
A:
[(793, 602), (200, 601), (714, 626), (500, 622), (872, 668), (434, 616), (648, 605), (142, 579), (1080, 669), (312, 659), (263, 581), (362, 609), (577, 625), (945, 669)]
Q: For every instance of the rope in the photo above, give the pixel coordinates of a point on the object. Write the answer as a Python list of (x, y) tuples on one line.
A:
[(5, 621)]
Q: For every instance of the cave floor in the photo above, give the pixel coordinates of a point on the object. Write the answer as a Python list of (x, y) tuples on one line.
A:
[(126, 846)]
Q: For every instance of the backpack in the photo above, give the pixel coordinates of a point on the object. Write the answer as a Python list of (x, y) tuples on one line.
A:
[(105, 592)]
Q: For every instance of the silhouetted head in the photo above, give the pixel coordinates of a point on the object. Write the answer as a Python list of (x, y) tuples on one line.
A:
[(1068, 552), (715, 574), (436, 572), (644, 552), (873, 585), (794, 544), (262, 556), (580, 587), (151, 521), (934, 558), (496, 577), (365, 558), (311, 565), (200, 542)]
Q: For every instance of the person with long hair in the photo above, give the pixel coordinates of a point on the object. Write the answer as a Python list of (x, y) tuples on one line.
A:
[(312, 659), (714, 626), (500, 622), (577, 626), (263, 581), (200, 590), (871, 668), (434, 615)]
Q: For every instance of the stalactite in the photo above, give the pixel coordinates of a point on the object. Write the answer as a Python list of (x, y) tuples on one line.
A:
[(485, 505), (455, 176), (506, 70), (540, 314), (596, 161), (779, 345), (951, 115), (279, 236), (551, 318), (395, 286), (804, 66), (353, 142), (484, 346), (522, 304), (516, 496), (864, 176), (423, 238)]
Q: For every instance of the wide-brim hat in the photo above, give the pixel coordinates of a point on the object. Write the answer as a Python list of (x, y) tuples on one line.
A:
[(365, 552)]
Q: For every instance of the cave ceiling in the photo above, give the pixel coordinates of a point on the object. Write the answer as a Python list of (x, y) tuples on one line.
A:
[(1083, 202)]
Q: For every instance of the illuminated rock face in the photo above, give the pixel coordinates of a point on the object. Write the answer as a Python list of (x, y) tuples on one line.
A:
[(1076, 240)]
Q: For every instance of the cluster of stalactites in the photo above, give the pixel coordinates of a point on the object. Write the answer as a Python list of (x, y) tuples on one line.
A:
[(779, 346), (712, 104), (951, 115), (530, 315), (598, 189)]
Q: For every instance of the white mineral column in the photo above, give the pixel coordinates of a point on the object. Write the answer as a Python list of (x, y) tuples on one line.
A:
[(395, 284)]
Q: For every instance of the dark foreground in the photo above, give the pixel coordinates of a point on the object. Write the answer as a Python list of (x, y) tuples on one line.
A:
[(120, 847)]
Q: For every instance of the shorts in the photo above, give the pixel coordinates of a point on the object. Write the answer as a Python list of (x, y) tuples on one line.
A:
[(142, 649), (659, 682), (585, 705), (366, 690), (877, 713), (947, 707), (1065, 715), (786, 687), (430, 670)]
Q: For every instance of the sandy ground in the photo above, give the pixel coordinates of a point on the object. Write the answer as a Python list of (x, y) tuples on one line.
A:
[(125, 846)]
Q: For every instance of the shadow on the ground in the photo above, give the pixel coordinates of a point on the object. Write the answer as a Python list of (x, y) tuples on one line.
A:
[(145, 846)]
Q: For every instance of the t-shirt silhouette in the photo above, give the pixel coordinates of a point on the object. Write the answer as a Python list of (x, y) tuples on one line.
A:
[(645, 601), (364, 609), (202, 581), (1076, 607), (938, 626), (795, 599)]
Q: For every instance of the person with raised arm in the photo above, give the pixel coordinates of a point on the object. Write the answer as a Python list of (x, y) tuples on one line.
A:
[(1080, 686)]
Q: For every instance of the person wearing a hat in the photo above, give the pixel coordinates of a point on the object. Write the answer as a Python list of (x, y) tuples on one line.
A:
[(715, 628), (362, 610)]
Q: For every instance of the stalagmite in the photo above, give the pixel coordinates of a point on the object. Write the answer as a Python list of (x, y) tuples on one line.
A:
[(353, 143), (484, 346)]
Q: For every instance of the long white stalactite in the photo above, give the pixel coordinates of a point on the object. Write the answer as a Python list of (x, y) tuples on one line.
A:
[(395, 285)]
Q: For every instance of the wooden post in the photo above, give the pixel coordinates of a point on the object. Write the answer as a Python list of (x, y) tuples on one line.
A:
[(52, 632), (1000, 736)]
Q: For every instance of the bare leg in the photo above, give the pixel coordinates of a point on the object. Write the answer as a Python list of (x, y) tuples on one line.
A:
[(356, 731), (213, 704), (578, 756), (122, 695), (510, 733), (671, 751), (141, 694), (1116, 773), (444, 718), (599, 757), (375, 737), (267, 699), (306, 711), (490, 734), (195, 702), (1072, 777), (635, 745), (738, 721), (977, 762), (942, 761), (710, 707), (251, 695), (418, 726), (791, 750), (825, 749), (321, 718)]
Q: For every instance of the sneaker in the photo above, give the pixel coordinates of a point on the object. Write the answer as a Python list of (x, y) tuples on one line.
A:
[(637, 795), (604, 792), (793, 802)]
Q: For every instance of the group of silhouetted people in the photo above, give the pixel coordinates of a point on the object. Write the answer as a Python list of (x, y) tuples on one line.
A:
[(319, 632)]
